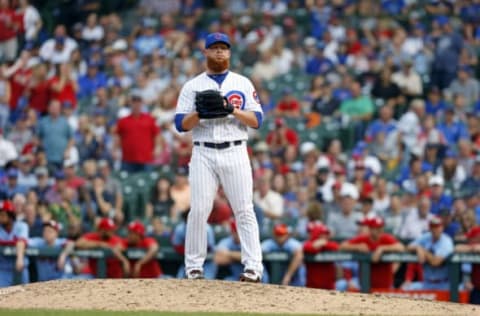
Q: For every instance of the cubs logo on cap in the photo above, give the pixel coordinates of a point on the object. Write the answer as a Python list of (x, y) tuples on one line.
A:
[(106, 224), (213, 38)]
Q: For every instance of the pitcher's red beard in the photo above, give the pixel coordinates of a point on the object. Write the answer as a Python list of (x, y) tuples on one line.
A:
[(218, 66)]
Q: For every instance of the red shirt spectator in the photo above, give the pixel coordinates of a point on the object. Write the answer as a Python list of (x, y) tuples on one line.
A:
[(105, 238), (288, 105), (376, 242), (18, 83), (38, 89), (146, 267), (137, 133), (320, 275), (8, 23), (62, 87), (281, 137)]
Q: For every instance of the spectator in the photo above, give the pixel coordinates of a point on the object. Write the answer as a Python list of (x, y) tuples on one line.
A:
[(453, 129), (26, 178), (271, 202), (385, 89), (5, 92), (92, 31), (451, 171), (320, 275), (63, 87), (8, 151), (384, 124), (56, 136), (293, 273), (472, 182), (440, 200), (265, 69), (178, 243), (344, 224), (103, 201), (288, 106), (31, 19), (161, 202), (227, 253), (47, 268), (13, 233), (282, 138), (180, 193), (408, 80), (104, 238), (432, 249), (112, 186), (409, 124), (10, 28), (148, 41), (474, 280), (416, 220), (43, 185), (91, 81), (377, 243), (20, 135), (38, 89), (11, 187), (358, 109), (58, 49), (465, 85), (138, 136), (435, 104), (147, 266)]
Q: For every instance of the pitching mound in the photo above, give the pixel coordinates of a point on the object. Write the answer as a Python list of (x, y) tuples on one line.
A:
[(218, 296)]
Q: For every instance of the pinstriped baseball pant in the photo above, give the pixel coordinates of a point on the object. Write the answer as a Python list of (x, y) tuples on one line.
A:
[(230, 168)]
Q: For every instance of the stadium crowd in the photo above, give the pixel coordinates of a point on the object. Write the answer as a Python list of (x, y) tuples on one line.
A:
[(92, 99)]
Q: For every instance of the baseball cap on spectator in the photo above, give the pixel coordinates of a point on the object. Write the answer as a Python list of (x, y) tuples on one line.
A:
[(318, 229), (349, 190), (41, 171), (217, 37), (442, 20), (106, 224), (136, 94), (436, 180), (375, 222), (149, 23), (102, 163), (279, 122), (120, 45), (323, 164), (338, 169), (7, 206), (465, 68), (67, 163), (54, 224), (435, 221), (137, 227), (281, 229), (182, 171), (251, 38), (33, 62), (364, 221), (93, 64), (12, 173), (60, 40), (245, 20), (450, 153), (306, 148), (60, 175), (473, 233)]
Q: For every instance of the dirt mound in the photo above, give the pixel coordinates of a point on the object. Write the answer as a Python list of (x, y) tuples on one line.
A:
[(218, 296)]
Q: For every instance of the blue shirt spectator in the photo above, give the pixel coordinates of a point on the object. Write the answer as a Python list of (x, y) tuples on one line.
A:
[(454, 130), (55, 134), (90, 82)]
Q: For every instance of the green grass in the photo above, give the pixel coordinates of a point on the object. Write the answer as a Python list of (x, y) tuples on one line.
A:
[(31, 312)]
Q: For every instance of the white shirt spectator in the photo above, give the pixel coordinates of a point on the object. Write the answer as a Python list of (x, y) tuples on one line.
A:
[(92, 34), (409, 126), (414, 225), (411, 82), (275, 7), (48, 52), (283, 62), (271, 203), (7, 151), (31, 20)]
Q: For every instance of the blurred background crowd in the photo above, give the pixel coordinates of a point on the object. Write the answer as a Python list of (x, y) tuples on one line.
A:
[(371, 110)]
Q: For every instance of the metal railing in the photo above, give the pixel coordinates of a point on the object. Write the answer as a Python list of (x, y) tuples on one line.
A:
[(275, 260)]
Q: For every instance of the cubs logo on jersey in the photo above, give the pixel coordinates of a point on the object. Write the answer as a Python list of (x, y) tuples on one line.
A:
[(236, 98)]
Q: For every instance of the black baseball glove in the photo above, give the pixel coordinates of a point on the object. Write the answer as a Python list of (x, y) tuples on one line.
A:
[(211, 104)]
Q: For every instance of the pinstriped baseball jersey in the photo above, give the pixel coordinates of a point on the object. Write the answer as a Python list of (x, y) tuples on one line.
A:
[(239, 91), (227, 166)]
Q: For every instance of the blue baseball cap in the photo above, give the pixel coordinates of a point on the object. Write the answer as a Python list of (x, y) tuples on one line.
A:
[(12, 173), (213, 38)]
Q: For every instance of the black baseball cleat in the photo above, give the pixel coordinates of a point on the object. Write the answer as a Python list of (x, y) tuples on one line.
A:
[(250, 276), (195, 275)]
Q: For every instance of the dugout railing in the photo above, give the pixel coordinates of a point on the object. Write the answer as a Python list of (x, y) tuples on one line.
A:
[(275, 261)]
